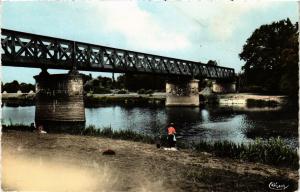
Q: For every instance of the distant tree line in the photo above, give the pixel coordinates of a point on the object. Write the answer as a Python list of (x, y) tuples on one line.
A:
[(130, 82), (271, 59), (99, 85), (142, 83), (15, 86), (135, 82)]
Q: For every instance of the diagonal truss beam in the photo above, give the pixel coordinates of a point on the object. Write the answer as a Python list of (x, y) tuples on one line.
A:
[(30, 50)]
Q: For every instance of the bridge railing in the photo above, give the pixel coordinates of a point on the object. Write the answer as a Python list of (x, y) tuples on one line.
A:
[(30, 50)]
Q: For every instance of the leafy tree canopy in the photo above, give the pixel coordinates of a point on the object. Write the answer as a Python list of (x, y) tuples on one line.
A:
[(212, 62), (271, 55)]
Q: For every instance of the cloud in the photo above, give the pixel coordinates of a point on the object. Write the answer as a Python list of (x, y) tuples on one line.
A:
[(139, 28), (221, 18)]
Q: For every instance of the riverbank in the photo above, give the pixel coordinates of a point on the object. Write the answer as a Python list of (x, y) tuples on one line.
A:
[(94, 100), (76, 163), (252, 100), (18, 99)]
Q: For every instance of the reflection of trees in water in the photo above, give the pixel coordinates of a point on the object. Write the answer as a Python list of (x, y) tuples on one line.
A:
[(184, 118), (224, 112), (273, 115), (157, 122), (179, 115), (145, 120)]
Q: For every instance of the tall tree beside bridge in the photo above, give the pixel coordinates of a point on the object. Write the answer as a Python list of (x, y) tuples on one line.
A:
[(271, 55), (134, 82)]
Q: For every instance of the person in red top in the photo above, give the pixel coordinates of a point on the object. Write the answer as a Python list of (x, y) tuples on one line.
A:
[(171, 135)]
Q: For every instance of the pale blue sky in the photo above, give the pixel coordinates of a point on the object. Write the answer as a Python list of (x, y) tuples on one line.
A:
[(193, 30)]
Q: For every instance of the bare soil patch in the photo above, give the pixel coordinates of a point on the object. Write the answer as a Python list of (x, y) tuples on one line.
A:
[(61, 162)]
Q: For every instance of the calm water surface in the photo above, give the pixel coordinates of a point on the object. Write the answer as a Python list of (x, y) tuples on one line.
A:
[(193, 124)]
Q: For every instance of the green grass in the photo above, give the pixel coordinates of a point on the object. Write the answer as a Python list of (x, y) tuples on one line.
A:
[(120, 134), (91, 101), (17, 127), (273, 151), (20, 100), (93, 131), (210, 99), (261, 103)]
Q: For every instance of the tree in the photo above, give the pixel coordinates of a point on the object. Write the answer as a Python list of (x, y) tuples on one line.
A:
[(25, 88), (105, 81), (271, 55), (12, 87), (135, 82), (212, 62), (86, 77), (289, 59)]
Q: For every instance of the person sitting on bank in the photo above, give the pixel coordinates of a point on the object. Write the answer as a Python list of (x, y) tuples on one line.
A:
[(171, 135), (41, 129)]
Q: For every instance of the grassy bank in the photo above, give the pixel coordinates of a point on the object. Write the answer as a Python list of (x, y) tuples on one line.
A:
[(92, 131), (209, 99), (261, 103), (120, 134), (272, 151), (92, 101), (19, 100)]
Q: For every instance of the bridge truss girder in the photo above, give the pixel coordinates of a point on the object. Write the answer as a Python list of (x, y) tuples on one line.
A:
[(29, 50)]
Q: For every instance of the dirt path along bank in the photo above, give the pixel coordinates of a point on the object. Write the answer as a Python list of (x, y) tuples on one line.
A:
[(58, 162)]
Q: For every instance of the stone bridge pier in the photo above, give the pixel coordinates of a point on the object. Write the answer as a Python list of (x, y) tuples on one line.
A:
[(182, 92), (59, 101), (224, 86)]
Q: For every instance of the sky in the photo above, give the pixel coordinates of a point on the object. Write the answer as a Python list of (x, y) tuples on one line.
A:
[(196, 30)]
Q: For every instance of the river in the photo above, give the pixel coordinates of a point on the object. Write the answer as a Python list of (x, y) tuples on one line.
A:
[(193, 124)]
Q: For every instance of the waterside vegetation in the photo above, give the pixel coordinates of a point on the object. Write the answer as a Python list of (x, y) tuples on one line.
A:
[(272, 151), (95, 101), (16, 100), (261, 103)]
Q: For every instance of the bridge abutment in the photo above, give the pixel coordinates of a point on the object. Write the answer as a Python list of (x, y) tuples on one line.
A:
[(224, 87), (59, 101), (182, 93)]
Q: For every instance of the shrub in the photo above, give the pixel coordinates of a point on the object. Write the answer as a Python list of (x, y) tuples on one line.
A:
[(272, 151), (101, 90), (126, 134), (141, 91), (123, 91), (25, 88), (253, 89), (261, 103), (149, 91), (12, 87)]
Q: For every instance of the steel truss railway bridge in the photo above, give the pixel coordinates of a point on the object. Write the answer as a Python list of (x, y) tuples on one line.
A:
[(30, 50), (59, 97)]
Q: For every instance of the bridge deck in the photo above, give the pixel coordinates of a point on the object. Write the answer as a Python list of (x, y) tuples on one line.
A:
[(30, 50)]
